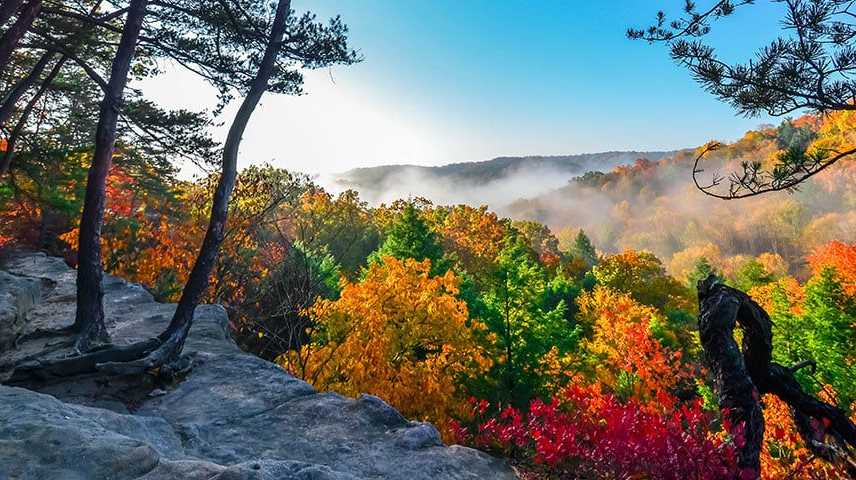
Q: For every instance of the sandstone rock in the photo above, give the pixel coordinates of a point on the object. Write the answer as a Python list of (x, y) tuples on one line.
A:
[(234, 417)]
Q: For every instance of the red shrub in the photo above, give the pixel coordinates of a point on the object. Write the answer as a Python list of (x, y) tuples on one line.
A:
[(588, 434)]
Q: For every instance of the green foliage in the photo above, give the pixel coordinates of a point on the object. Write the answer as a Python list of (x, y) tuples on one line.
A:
[(584, 249), (823, 332), (642, 275), (528, 318), (752, 274), (675, 330), (561, 289), (709, 400), (789, 136), (625, 384), (701, 270), (830, 336), (277, 321), (410, 237)]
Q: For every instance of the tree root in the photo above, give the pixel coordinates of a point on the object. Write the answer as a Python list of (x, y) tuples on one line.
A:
[(742, 375), (161, 355), (91, 362), (136, 359), (40, 333)]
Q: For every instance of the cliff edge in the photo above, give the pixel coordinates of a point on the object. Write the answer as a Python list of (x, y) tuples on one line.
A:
[(233, 417)]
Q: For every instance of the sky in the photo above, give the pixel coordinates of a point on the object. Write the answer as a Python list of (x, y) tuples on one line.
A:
[(446, 81)]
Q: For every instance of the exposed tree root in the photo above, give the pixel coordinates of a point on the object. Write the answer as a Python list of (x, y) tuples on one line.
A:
[(742, 375), (161, 354), (90, 362)]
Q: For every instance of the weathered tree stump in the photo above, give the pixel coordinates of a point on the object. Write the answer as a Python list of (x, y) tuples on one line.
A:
[(742, 375)]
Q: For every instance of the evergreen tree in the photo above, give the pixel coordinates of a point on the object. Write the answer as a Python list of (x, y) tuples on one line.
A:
[(584, 249), (525, 324), (752, 274), (829, 321), (701, 270), (410, 237)]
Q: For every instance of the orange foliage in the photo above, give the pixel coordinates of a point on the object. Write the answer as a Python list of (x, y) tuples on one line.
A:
[(474, 235), (784, 455), (400, 334), (842, 257), (622, 343), (793, 291)]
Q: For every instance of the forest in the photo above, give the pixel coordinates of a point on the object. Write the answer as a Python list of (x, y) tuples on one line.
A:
[(561, 332)]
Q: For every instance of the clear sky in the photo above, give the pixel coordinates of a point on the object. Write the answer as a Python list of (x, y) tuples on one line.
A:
[(449, 81)]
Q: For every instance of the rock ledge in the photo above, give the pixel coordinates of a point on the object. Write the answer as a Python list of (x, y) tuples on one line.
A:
[(234, 417)]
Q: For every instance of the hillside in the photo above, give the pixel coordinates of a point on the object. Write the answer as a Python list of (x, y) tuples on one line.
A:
[(654, 206), (475, 182)]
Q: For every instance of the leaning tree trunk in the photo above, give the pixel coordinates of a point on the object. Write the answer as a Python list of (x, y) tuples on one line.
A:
[(741, 376), (163, 352), (174, 336), (20, 88), (89, 320), (8, 9), (9, 41)]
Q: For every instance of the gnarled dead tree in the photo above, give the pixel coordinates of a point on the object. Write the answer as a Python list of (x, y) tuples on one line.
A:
[(742, 375)]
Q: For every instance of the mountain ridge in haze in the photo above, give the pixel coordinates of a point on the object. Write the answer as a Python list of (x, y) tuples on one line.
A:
[(495, 182)]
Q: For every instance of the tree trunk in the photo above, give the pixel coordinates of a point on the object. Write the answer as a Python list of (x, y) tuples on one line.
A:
[(6, 159), (741, 376), (167, 348), (197, 283), (89, 320), (163, 352), (8, 8), (16, 32), (11, 99)]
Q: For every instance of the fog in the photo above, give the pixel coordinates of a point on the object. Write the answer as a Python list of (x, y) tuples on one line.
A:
[(496, 183), (415, 182), (642, 205)]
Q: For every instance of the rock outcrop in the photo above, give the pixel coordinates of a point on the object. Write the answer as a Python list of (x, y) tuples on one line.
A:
[(233, 417)]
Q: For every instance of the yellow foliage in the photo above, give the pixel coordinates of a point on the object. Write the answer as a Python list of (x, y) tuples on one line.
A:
[(683, 263), (773, 263), (474, 235), (400, 334), (763, 294)]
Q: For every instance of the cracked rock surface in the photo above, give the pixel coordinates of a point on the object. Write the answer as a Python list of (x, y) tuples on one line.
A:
[(234, 417)]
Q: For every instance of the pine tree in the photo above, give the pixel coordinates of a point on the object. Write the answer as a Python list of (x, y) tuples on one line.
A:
[(522, 320), (701, 270), (752, 274), (411, 237), (584, 249), (829, 321)]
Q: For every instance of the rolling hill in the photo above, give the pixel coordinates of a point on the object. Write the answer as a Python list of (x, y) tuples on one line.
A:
[(482, 182)]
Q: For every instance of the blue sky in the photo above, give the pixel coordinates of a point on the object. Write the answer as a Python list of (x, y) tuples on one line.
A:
[(448, 81)]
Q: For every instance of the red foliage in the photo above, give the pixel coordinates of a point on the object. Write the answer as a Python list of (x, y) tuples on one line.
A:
[(842, 257), (588, 433)]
